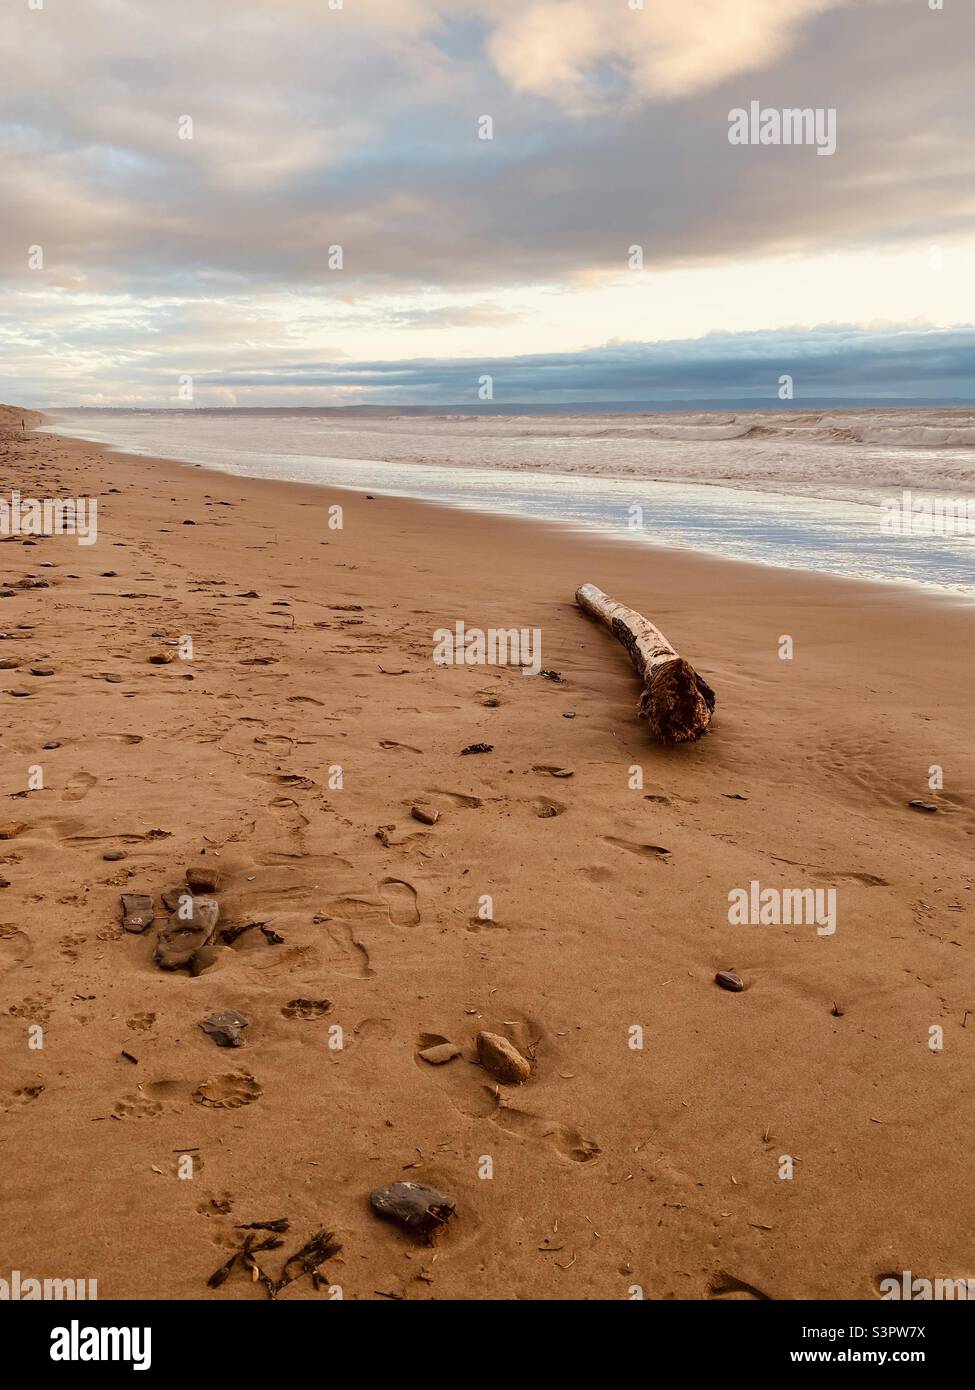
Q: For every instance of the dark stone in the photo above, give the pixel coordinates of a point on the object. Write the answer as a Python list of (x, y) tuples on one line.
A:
[(727, 979), (226, 1029), (421, 1210)]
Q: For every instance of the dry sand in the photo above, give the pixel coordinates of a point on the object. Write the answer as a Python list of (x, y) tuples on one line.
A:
[(612, 1166)]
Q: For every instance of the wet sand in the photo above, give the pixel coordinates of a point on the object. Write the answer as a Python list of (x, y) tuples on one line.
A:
[(613, 1166)]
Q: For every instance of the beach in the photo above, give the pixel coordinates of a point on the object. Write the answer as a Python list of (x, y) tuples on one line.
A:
[(805, 1137)]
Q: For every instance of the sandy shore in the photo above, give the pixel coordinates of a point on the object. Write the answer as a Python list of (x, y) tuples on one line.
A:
[(613, 1166)]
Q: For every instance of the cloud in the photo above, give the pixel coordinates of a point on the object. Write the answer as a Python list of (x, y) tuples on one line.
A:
[(663, 48), (357, 127)]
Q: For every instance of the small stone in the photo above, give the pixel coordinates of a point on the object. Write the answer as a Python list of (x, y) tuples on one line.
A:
[(502, 1059), (113, 854), (187, 934), (923, 805), (492, 702), (9, 664), (477, 748), (42, 670), (11, 828), (137, 911), (426, 815), (53, 744), (440, 1053), (203, 880), (556, 676), (226, 1029), (113, 679), (419, 1209), (162, 658), (727, 979), (20, 693)]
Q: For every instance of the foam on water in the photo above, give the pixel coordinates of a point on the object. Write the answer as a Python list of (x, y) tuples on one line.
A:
[(802, 490)]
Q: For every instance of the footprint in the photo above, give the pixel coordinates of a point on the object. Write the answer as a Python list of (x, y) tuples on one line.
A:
[(228, 1092), (391, 743), (400, 898), (726, 1285), (34, 1009), (459, 798), (571, 1143), (644, 851), (344, 952), (14, 947), (70, 946), (22, 1096), (79, 787), (137, 1107), (140, 1023), (307, 1008)]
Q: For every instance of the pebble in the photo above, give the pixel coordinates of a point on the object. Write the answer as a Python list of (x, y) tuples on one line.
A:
[(42, 670), (137, 911), (923, 805), (113, 679), (413, 1206), (9, 664), (502, 1059), (162, 658), (19, 692), (440, 1053), (113, 854), (426, 815), (226, 1029), (12, 828), (52, 744), (203, 880), (727, 979)]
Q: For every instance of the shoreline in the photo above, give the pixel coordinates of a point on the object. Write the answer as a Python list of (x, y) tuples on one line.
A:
[(658, 1166), (570, 527)]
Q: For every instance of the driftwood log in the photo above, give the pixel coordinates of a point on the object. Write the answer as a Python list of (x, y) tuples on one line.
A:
[(676, 702)]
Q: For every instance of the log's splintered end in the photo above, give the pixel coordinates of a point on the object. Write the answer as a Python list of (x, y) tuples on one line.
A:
[(676, 703)]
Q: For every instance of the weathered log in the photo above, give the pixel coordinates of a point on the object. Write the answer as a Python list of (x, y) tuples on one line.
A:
[(676, 702)]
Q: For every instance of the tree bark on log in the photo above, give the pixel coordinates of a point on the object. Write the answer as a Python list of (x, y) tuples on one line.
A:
[(676, 702)]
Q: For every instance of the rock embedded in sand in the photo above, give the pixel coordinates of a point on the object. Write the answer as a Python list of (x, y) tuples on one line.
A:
[(42, 670), (502, 1059), (11, 829), (226, 1029), (9, 664), (137, 911), (440, 1053), (162, 658), (190, 929), (419, 1209), (209, 958), (113, 854), (922, 805), (200, 879), (728, 979), (426, 815)]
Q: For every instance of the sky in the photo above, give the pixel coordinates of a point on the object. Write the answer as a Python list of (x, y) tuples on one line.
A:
[(346, 202)]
